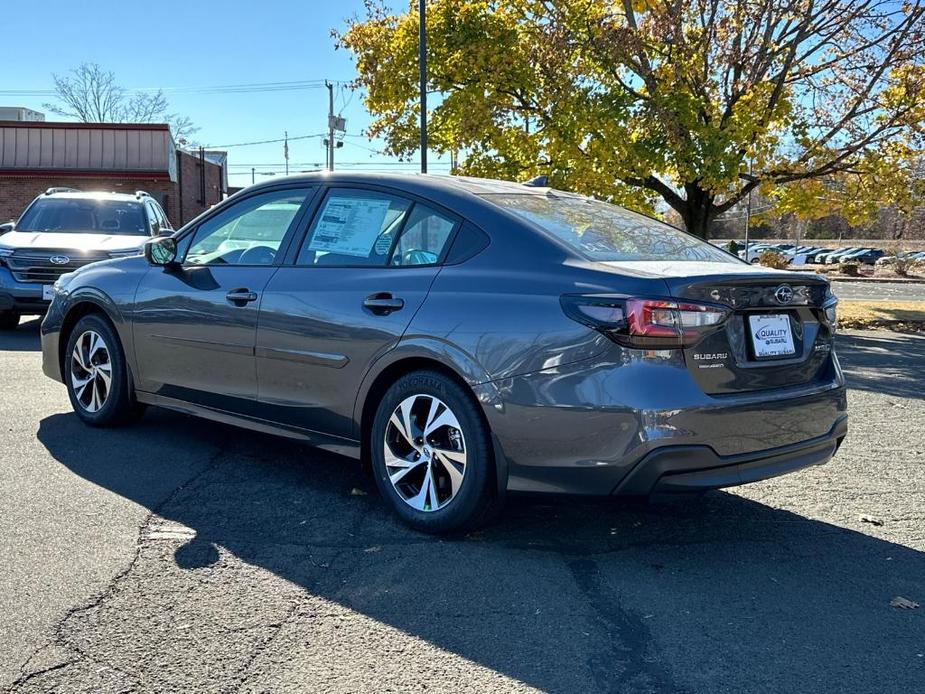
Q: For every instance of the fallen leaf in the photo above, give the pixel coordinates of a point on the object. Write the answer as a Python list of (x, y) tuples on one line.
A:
[(357, 492), (903, 603), (871, 520)]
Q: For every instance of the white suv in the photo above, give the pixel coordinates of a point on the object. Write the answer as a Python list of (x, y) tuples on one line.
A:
[(62, 230)]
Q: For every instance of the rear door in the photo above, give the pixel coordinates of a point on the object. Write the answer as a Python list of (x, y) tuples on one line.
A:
[(195, 324), (354, 283)]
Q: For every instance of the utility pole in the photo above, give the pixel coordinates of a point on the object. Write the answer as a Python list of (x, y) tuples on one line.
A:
[(748, 213), (253, 175), (422, 70), (330, 143), (286, 149)]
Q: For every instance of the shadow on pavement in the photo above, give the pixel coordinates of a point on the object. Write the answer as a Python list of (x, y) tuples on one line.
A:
[(718, 594), (883, 362), (24, 338)]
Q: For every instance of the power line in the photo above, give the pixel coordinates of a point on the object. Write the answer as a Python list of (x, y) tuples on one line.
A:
[(264, 142), (215, 89), (368, 149), (372, 164)]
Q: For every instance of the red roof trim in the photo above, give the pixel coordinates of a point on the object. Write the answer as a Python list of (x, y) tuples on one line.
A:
[(83, 173), (83, 126)]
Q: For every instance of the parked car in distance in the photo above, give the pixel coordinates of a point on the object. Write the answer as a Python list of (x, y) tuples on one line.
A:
[(829, 258), (867, 256), (754, 252), (903, 255), (64, 229), (813, 255), (835, 259), (462, 337)]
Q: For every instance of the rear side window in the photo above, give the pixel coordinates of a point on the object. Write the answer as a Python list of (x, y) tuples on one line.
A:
[(601, 232), (423, 238), (354, 227)]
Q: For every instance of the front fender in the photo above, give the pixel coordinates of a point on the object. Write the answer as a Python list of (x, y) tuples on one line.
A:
[(109, 287)]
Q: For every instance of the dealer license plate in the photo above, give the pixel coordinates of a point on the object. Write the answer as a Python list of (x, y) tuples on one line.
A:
[(771, 335), (48, 292)]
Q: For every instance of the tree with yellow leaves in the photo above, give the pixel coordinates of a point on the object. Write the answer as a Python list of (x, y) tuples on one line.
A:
[(695, 102)]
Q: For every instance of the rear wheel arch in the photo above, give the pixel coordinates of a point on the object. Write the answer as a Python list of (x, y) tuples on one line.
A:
[(389, 375)]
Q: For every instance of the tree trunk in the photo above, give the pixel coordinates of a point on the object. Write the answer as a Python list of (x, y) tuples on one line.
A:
[(699, 212)]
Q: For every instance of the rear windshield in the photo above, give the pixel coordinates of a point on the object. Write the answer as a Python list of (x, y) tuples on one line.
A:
[(600, 231), (84, 215)]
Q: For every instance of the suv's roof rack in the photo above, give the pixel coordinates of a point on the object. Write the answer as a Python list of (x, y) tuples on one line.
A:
[(62, 189), (142, 194)]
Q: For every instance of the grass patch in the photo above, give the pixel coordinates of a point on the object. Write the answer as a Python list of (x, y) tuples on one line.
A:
[(904, 316)]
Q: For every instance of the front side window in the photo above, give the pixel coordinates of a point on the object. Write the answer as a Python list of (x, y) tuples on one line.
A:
[(354, 227), (603, 232), (85, 216), (247, 233)]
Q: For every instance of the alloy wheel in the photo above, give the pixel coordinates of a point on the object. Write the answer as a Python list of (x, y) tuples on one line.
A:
[(91, 371), (425, 452)]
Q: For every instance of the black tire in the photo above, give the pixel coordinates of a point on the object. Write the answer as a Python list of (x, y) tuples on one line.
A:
[(477, 500), (119, 406), (9, 320)]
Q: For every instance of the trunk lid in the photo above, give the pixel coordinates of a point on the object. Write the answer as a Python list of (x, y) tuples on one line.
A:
[(776, 337)]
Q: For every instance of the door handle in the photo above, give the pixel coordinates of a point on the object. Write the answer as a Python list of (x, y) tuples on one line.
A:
[(383, 303), (239, 297)]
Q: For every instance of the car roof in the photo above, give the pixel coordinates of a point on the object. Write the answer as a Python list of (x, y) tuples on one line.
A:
[(422, 184), (91, 195)]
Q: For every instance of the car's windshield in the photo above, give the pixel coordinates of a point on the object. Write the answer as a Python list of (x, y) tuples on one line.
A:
[(602, 232), (85, 215)]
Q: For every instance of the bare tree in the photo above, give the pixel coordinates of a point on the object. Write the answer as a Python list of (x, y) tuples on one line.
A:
[(91, 94)]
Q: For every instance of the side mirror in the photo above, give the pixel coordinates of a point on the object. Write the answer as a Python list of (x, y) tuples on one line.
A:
[(164, 231), (161, 251), (6, 227)]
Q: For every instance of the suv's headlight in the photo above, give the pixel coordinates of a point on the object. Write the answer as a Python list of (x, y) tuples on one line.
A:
[(5, 253), (125, 254)]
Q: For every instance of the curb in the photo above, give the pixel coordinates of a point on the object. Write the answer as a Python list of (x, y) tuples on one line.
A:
[(877, 280), (880, 280)]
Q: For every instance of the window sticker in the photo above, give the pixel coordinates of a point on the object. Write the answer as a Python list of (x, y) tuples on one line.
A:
[(349, 226)]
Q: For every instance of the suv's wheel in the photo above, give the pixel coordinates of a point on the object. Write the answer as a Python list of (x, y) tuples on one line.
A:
[(431, 454), (9, 320), (96, 375)]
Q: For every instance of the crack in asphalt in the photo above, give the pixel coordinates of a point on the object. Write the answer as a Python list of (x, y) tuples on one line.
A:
[(628, 636), (59, 639)]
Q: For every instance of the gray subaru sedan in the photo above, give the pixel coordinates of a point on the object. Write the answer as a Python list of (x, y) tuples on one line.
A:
[(462, 338)]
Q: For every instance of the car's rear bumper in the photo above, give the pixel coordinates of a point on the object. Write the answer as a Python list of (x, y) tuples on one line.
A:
[(641, 429), (679, 469)]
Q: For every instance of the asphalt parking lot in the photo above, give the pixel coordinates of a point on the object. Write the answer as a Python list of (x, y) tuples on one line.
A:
[(879, 291), (182, 555)]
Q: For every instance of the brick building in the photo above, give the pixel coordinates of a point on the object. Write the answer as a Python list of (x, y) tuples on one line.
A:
[(117, 157)]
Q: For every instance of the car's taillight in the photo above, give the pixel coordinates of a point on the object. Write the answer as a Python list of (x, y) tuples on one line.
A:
[(646, 323), (830, 309)]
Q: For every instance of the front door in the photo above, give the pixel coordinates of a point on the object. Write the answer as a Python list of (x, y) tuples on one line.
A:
[(362, 272), (195, 324)]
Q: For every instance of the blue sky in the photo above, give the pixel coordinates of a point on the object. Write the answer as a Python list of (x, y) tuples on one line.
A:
[(194, 44)]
